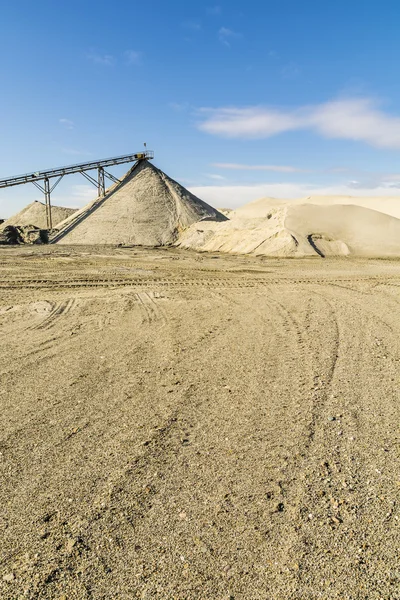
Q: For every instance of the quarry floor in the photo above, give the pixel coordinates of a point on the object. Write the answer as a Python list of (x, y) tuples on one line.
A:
[(188, 426)]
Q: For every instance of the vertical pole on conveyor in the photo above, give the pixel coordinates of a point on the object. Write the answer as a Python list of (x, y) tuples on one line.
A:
[(48, 203), (101, 186)]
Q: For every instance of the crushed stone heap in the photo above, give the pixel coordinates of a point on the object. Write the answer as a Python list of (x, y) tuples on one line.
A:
[(35, 214), (147, 208)]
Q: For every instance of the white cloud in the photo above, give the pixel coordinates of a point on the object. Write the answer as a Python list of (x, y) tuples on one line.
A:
[(193, 25), (67, 123), (106, 60), (214, 10), (376, 183), (291, 71), (276, 168), (83, 192), (357, 119), (236, 195), (248, 122), (74, 196), (79, 195), (215, 176), (179, 106), (226, 35), (133, 57)]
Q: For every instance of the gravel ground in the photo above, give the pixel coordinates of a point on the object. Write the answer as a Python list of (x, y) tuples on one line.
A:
[(187, 426)]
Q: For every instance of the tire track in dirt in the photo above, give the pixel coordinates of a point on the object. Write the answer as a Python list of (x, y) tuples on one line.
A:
[(388, 295), (318, 373), (182, 282), (337, 479), (352, 298), (151, 308), (60, 310), (234, 452), (130, 494)]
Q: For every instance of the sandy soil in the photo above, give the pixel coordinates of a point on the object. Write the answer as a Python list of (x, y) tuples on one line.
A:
[(182, 426)]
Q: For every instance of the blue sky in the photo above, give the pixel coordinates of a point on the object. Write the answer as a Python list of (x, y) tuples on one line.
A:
[(237, 99)]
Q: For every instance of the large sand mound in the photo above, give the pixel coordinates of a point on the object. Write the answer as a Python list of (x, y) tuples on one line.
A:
[(262, 206), (301, 230), (35, 214), (259, 208), (147, 208), (387, 205)]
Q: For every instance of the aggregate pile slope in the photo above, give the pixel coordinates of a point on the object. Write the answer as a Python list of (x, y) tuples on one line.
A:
[(301, 230), (147, 208), (35, 214)]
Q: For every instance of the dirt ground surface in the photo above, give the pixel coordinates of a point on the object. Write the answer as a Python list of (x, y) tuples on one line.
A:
[(188, 426)]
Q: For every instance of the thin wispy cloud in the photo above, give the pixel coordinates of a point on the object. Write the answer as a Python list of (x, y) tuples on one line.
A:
[(214, 10), (226, 36), (107, 60), (192, 25), (215, 176), (390, 176), (291, 71), (275, 168), (371, 181), (78, 196), (238, 195), (67, 123), (179, 106), (356, 119), (133, 57), (83, 191), (254, 122)]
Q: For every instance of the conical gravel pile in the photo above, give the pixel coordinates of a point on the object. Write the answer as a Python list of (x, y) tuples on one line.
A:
[(147, 208), (35, 214)]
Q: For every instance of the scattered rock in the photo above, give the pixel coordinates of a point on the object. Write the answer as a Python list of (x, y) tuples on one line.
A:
[(9, 577), (70, 544)]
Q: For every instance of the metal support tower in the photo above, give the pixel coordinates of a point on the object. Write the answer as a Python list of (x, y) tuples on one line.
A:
[(101, 188), (48, 203), (46, 190), (82, 168)]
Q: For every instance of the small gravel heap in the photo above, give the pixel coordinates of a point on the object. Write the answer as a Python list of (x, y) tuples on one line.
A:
[(35, 214)]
